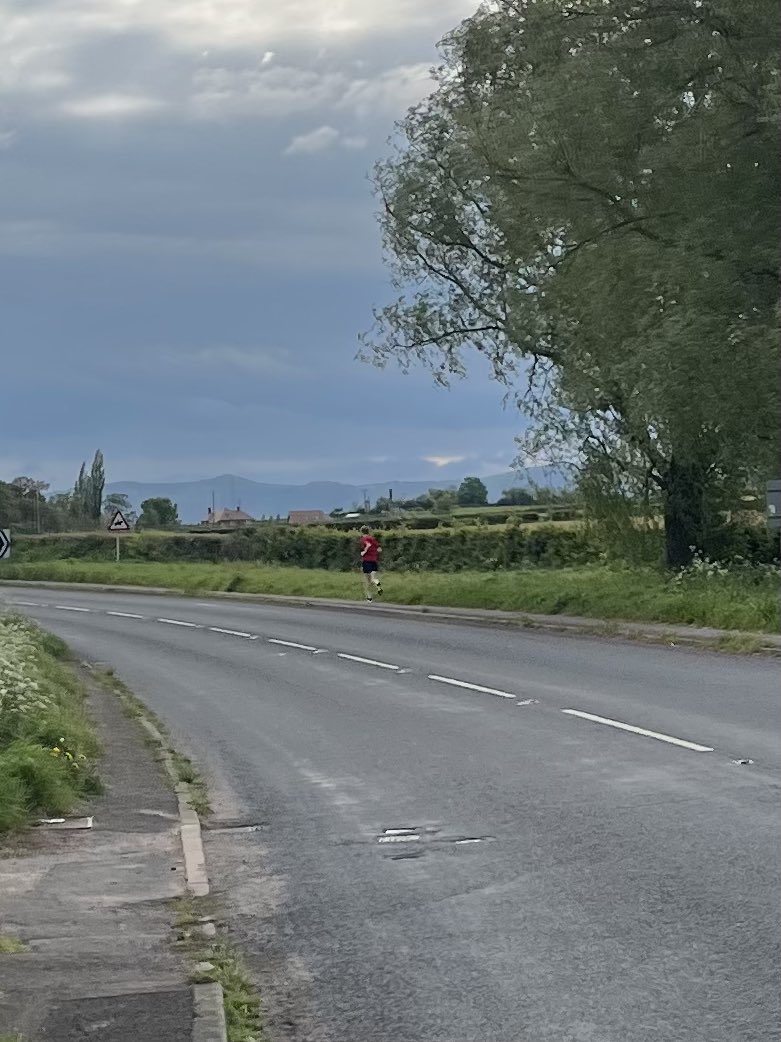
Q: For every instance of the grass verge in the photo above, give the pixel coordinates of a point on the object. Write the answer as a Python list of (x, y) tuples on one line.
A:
[(746, 600), (48, 746)]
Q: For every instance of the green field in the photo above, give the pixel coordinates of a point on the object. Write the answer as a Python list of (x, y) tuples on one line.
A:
[(747, 601)]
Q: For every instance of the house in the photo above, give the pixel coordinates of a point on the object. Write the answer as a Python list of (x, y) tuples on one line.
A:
[(228, 518), (307, 517)]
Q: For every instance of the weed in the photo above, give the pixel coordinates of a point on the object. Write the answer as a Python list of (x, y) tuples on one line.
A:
[(10, 945), (48, 746)]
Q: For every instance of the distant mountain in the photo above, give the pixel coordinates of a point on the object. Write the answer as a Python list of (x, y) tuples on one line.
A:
[(261, 499)]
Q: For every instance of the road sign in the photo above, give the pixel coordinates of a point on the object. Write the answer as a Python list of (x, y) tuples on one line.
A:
[(118, 523), (5, 543)]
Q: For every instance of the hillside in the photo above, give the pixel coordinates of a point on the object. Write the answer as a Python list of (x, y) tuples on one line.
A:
[(260, 498)]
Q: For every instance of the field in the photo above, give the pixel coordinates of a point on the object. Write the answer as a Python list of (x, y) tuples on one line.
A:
[(745, 600)]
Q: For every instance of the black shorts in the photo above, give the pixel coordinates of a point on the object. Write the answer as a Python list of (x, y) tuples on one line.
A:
[(369, 567)]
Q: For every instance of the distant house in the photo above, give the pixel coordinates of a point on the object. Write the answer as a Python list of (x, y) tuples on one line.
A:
[(307, 517), (228, 518)]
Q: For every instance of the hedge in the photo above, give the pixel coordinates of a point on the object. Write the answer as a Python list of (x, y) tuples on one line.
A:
[(476, 548), (443, 549)]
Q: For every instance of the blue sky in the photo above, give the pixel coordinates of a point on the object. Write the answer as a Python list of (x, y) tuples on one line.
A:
[(188, 248)]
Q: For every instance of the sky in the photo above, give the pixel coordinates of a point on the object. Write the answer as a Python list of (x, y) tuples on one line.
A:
[(188, 247)]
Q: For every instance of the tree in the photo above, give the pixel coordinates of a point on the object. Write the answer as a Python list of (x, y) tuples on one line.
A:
[(515, 497), (472, 493), (442, 499), (158, 512), (96, 484), (589, 200), (119, 501)]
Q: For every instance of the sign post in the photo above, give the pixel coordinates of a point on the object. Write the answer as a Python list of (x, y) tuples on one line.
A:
[(5, 543), (118, 524)]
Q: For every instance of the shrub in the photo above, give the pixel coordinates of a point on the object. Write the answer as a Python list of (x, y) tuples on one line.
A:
[(47, 746)]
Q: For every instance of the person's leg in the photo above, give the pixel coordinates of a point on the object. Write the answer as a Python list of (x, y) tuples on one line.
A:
[(367, 584), (375, 577)]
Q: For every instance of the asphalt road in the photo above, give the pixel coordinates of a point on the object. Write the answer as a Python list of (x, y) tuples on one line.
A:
[(471, 835)]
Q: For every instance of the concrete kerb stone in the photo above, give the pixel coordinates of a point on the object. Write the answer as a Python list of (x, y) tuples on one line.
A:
[(189, 822), (209, 1023)]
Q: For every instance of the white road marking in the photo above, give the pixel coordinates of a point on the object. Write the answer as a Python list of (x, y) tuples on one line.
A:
[(291, 644), (471, 687), (178, 622), (29, 604), (125, 615), (233, 633), (639, 730), (70, 607), (398, 839), (367, 661)]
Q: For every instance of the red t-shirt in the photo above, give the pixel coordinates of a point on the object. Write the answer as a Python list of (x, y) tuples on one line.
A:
[(370, 548)]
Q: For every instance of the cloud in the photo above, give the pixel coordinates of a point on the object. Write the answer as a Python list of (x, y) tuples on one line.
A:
[(279, 91), (321, 139), (7, 139), (256, 361), (110, 106), (444, 461), (318, 140)]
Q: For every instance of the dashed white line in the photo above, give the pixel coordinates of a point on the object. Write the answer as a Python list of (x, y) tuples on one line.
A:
[(639, 730), (233, 633), (178, 622), (29, 604), (125, 615), (470, 687), (70, 607), (367, 661), (291, 644)]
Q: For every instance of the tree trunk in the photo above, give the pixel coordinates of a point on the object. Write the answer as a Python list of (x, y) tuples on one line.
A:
[(683, 512)]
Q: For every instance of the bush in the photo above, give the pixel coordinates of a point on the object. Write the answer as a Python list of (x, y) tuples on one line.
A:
[(48, 748)]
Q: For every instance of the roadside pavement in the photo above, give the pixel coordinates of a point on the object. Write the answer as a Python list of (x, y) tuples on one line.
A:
[(92, 908)]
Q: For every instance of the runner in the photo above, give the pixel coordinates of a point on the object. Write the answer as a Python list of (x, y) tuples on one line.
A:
[(370, 562)]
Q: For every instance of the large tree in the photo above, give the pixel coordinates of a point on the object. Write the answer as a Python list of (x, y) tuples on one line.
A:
[(589, 199), (158, 512), (472, 493)]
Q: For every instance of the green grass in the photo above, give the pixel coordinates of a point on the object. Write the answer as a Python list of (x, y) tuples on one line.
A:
[(48, 746), (747, 601), (10, 945)]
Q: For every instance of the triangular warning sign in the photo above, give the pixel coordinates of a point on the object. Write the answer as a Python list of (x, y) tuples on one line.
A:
[(118, 523)]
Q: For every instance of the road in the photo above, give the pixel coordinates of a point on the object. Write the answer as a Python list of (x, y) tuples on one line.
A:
[(470, 835)]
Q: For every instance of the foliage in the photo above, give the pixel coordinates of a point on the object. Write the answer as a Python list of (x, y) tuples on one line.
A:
[(472, 493), (47, 745), (158, 512), (515, 497), (589, 199), (119, 501)]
